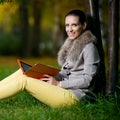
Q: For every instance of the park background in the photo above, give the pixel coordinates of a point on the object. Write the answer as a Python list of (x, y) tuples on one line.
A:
[(33, 30), (21, 19)]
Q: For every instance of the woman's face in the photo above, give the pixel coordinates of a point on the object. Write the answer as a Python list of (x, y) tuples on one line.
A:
[(73, 27)]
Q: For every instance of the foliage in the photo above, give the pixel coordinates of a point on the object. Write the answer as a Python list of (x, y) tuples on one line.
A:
[(9, 18), (3, 1), (9, 44)]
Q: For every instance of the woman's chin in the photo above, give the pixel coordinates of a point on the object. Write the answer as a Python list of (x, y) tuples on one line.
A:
[(72, 38)]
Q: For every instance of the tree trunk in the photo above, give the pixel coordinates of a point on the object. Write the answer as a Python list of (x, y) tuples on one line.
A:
[(58, 32), (113, 45), (24, 27), (36, 27), (93, 10)]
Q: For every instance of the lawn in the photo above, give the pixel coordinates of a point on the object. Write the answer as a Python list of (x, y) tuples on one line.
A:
[(25, 107)]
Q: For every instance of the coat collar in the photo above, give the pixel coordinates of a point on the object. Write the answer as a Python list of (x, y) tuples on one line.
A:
[(71, 49)]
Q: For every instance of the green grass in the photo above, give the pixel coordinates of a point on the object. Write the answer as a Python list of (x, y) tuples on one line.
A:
[(24, 107)]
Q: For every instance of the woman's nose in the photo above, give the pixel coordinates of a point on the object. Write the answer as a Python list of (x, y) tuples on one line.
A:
[(70, 28)]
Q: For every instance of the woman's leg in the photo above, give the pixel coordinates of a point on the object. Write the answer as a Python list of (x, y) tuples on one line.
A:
[(49, 94), (12, 87), (11, 77)]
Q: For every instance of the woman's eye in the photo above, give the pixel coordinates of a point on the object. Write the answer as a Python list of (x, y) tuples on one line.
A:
[(66, 25), (74, 25)]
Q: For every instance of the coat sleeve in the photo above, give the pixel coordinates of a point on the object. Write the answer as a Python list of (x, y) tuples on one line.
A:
[(90, 67)]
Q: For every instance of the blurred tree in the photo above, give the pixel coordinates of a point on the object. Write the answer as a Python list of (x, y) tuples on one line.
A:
[(30, 45), (113, 46), (24, 27), (58, 33), (37, 11), (93, 11)]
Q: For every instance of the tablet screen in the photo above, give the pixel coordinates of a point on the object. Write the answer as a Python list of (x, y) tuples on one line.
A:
[(25, 66)]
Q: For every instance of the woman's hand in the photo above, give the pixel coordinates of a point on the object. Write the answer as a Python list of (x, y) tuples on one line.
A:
[(51, 80)]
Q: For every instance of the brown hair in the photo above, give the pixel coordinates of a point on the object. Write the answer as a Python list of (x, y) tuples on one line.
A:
[(79, 13)]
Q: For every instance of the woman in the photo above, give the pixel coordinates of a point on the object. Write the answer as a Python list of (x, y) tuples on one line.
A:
[(79, 60)]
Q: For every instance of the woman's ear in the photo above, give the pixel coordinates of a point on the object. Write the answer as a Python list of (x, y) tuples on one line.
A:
[(84, 25)]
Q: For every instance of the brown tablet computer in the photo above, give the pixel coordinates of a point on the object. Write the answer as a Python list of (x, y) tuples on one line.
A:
[(37, 70)]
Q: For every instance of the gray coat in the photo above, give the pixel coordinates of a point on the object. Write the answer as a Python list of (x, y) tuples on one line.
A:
[(80, 62)]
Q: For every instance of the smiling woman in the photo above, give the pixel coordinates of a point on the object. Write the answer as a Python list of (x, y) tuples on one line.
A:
[(73, 25), (79, 61)]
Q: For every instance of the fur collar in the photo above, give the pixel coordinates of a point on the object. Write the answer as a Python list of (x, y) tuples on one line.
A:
[(71, 49)]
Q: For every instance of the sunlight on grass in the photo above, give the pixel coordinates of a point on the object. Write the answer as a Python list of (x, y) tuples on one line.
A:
[(12, 61)]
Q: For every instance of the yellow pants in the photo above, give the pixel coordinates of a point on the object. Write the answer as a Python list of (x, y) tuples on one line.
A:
[(49, 94)]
